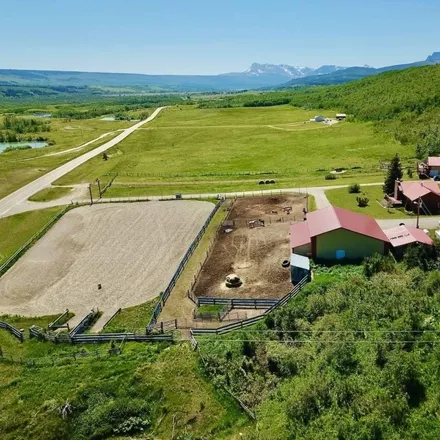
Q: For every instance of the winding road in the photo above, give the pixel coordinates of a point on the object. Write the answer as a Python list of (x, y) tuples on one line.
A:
[(8, 203)]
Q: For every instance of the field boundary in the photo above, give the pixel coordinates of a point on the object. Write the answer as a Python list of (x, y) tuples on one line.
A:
[(167, 292), (12, 260)]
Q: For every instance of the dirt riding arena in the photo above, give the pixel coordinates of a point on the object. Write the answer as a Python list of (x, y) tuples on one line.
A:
[(131, 249), (253, 253)]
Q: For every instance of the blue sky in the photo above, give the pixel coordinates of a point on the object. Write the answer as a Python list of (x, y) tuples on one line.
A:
[(208, 37)]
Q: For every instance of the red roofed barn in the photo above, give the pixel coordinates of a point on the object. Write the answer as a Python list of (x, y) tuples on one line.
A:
[(334, 233), (410, 193)]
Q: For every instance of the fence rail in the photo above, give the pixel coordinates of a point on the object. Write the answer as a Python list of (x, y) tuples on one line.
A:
[(238, 303), (111, 318), (85, 322), (14, 331), (11, 260), (166, 293), (36, 332), (60, 322), (247, 322)]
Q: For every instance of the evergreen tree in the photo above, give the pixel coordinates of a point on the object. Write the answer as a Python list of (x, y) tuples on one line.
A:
[(394, 172)]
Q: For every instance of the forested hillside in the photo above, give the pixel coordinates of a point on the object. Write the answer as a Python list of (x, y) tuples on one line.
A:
[(352, 357)]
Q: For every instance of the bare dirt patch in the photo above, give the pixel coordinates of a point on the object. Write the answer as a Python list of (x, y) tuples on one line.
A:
[(254, 254), (131, 249)]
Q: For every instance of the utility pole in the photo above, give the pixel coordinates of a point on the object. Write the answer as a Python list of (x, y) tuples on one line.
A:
[(419, 201), (90, 192)]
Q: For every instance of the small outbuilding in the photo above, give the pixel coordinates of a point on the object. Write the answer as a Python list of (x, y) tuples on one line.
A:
[(341, 116), (334, 233), (299, 268), (402, 236)]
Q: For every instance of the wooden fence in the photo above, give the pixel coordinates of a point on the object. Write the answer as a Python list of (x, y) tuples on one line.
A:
[(60, 322), (238, 303), (166, 293), (36, 332), (17, 333), (111, 318), (11, 260), (247, 322)]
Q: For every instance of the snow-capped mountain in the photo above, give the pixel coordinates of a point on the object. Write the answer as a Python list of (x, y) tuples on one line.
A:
[(287, 71)]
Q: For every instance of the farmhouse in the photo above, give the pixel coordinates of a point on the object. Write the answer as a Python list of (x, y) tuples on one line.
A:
[(411, 194), (334, 233), (402, 236)]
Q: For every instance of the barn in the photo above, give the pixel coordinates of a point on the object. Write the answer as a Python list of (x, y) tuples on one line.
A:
[(334, 233)]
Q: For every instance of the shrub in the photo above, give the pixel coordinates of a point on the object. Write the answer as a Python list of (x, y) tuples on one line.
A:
[(355, 188), (330, 177), (362, 201), (409, 172), (378, 263)]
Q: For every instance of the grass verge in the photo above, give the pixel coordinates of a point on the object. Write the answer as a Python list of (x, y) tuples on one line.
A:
[(52, 193), (17, 229)]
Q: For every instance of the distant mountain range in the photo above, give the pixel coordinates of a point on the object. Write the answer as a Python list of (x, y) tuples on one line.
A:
[(17, 83), (353, 73)]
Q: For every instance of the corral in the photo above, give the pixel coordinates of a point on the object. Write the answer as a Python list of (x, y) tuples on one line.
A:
[(132, 250), (252, 251)]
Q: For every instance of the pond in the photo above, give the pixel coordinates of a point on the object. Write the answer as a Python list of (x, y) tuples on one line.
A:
[(33, 144)]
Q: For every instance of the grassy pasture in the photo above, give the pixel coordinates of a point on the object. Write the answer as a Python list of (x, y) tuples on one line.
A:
[(342, 198), (17, 168), (209, 150)]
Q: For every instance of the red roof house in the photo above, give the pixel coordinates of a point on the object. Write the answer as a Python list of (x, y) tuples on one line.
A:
[(410, 193), (334, 233)]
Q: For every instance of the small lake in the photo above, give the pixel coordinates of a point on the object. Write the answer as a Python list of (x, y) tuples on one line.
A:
[(4, 145)]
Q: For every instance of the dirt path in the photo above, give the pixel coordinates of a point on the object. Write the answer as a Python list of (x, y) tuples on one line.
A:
[(132, 250)]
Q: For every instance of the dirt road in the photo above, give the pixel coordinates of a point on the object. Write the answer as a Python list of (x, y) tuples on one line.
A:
[(22, 194)]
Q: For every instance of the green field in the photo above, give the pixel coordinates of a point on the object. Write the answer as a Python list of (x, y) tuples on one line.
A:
[(52, 193), (342, 198), (17, 168), (156, 388), (17, 229), (208, 150)]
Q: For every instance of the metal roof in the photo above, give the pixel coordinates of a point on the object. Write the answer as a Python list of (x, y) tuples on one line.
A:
[(434, 161), (332, 218), (415, 190), (403, 235), (299, 235), (299, 261)]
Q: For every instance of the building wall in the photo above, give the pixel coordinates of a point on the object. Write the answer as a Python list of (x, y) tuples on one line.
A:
[(431, 201), (356, 246), (434, 171), (305, 250)]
